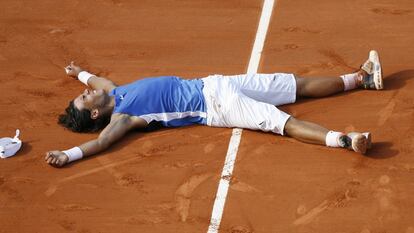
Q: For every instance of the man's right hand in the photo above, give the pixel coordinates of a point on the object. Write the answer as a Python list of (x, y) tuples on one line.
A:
[(73, 70), (56, 158)]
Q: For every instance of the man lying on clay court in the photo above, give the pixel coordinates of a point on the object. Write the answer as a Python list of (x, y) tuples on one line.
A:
[(245, 101)]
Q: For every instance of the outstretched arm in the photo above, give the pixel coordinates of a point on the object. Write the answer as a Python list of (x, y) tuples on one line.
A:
[(119, 126), (89, 79)]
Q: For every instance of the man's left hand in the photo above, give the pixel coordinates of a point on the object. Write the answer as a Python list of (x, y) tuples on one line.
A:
[(56, 158), (73, 70)]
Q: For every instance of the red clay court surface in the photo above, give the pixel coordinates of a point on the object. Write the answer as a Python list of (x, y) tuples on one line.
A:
[(166, 181)]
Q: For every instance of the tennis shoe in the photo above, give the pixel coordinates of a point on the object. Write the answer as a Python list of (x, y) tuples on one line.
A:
[(373, 68), (358, 142)]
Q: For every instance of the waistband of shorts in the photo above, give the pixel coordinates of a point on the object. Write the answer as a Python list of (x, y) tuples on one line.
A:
[(208, 90), (202, 83)]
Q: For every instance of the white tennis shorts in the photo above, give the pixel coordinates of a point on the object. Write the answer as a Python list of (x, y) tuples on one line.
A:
[(249, 100)]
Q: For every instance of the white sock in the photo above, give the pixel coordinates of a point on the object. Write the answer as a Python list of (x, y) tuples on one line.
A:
[(332, 138), (350, 81)]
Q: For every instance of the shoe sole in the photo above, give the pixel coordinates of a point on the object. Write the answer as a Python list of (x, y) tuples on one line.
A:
[(360, 144), (367, 136), (377, 70)]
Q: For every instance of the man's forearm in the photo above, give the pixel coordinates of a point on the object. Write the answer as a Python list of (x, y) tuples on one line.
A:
[(89, 79), (93, 147), (100, 83), (94, 81), (86, 149)]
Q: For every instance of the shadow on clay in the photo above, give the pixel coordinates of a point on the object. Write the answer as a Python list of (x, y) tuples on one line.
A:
[(393, 81), (24, 150), (382, 150), (130, 137), (398, 79)]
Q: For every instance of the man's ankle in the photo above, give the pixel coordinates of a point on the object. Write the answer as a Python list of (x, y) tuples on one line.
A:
[(362, 74), (344, 141)]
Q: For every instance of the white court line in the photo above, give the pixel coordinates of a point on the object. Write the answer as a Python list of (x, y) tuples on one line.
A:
[(227, 172)]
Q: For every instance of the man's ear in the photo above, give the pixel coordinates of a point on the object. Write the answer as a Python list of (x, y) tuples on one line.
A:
[(94, 114)]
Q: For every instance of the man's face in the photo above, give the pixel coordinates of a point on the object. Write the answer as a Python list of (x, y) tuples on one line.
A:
[(90, 99)]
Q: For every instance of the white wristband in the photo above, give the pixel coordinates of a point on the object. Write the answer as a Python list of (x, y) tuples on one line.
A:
[(84, 76), (332, 137), (74, 154)]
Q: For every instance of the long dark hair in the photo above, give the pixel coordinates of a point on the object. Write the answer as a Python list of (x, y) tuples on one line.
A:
[(80, 120)]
